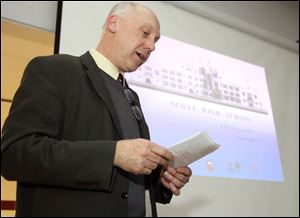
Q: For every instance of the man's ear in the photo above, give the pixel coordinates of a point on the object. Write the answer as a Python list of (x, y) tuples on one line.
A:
[(112, 23)]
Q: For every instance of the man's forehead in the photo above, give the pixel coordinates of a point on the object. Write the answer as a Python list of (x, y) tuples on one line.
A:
[(151, 26), (146, 15), (145, 18)]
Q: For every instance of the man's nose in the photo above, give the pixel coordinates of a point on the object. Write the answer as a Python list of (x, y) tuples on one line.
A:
[(150, 44)]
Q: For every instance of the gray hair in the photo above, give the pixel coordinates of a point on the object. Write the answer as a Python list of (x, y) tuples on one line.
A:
[(123, 8)]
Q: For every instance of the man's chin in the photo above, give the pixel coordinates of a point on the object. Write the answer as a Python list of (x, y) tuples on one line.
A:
[(133, 68)]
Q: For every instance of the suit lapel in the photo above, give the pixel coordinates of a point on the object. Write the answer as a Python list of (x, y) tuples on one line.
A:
[(99, 85)]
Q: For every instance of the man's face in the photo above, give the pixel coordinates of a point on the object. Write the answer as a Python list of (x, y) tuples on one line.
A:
[(136, 36)]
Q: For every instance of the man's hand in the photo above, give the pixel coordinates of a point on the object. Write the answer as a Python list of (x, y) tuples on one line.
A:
[(175, 179), (140, 156)]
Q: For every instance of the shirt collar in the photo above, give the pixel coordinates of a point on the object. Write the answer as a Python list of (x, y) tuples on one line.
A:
[(104, 64)]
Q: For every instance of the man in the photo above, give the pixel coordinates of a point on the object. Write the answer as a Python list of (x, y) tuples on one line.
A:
[(76, 140)]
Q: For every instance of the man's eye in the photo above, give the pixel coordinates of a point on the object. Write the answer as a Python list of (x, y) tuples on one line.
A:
[(146, 33)]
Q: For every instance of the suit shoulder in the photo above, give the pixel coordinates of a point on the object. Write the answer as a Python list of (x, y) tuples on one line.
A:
[(58, 64), (56, 60)]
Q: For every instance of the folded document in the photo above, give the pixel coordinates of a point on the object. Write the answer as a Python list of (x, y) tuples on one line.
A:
[(192, 149)]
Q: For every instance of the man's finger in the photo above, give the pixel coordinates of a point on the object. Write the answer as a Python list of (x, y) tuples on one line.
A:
[(163, 152)]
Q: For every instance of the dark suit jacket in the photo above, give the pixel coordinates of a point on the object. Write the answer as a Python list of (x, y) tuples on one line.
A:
[(59, 141)]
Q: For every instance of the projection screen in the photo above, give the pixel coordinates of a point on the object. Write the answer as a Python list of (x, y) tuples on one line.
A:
[(204, 76)]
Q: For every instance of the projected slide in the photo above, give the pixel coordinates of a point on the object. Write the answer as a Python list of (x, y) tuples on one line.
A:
[(185, 89)]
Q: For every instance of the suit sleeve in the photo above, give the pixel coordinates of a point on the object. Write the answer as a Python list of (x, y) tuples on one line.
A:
[(162, 194), (32, 150)]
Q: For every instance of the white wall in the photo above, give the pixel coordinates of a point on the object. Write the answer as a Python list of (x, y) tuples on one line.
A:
[(275, 22), (268, 15)]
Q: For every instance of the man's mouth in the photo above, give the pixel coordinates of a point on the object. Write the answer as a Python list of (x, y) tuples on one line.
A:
[(142, 56)]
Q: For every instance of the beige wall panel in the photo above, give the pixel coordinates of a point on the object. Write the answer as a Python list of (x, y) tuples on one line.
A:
[(8, 189), (19, 44), (7, 213), (5, 106)]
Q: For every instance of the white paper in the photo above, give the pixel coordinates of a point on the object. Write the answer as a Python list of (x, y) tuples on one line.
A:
[(192, 149)]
